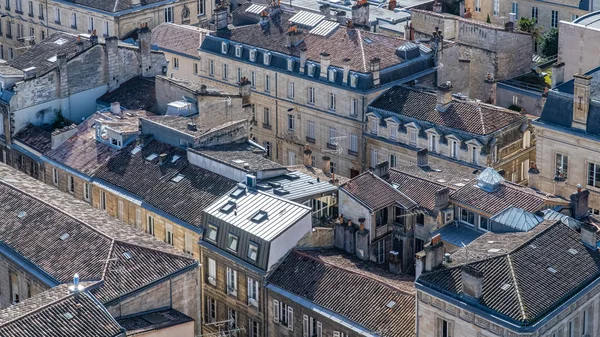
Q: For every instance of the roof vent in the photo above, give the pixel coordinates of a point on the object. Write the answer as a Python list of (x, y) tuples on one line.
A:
[(68, 316), (263, 187), (75, 288), (64, 236), (175, 158)]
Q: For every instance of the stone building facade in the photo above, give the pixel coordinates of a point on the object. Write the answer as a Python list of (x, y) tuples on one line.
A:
[(577, 43), (473, 55), (309, 93), (27, 22)]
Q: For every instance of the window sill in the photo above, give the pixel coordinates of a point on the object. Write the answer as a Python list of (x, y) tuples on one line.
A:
[(353, 153), (19, 12), (57, 22), (41, 17), (266, 126), (310, 140), (331, 146)]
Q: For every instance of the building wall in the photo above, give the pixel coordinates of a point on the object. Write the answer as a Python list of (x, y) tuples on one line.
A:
[(580, 152), (238, 303), (186, 69), (180, 292), (24, 163), (466, 324), (577, 46), (180, 330), (277, 329), (531, 101), (25, 282)]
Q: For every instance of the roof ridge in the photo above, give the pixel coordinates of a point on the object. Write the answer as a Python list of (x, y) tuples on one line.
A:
[(516, 285), (110, 251), (360, 175), (4, 182), (395, 189), (417, 177), (351, 271)]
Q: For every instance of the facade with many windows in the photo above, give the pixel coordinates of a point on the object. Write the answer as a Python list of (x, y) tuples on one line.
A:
[(568, 136), (26, 22), (303, 90)]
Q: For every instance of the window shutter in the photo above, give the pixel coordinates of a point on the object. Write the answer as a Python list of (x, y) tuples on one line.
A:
[(319, 329), (305, 326), (276, 311), (291, 318)]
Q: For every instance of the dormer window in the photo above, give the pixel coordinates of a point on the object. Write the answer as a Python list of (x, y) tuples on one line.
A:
[(393, 130), (253, 55), (238, 51), (211, 233), (331, 75), (353, 80), (290, 64), (252, 251), (311, 69), (224, 47), (232, 242), (267, 58), (375, 126)]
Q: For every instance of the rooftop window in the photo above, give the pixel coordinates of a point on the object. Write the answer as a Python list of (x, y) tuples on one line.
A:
[(175, 158), (228, 207), (238, 193), (260, 216), (64, 236), (152, 157), (136, 149), (211, 233), (252, 251), (127, 255), (179, 177), (232, 242)]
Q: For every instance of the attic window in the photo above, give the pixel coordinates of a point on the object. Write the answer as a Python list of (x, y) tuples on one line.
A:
[(252, 55), (391, 304), (493, 250), (331, 75), (238, 51), (179, 177), (552, 270), (224, 47), (353, 80), (238, 161), (281, 191), (232, 242), (573, 251), (367, 40), (175, 158), (152, 157), (127, 255), (267, 58), (505, 286), (68, 316), (238, 193), (228, 207), (136, 149), (292, 176), (252, 251), (274, 184), (311, 69), (52, 59), (21, 214), (64, 236), (290, 64), (260, 216)]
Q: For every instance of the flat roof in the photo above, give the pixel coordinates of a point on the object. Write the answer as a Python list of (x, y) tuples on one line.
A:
[(296, 186)]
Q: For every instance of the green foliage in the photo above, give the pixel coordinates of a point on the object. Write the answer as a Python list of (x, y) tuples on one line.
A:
[(59, 120), (530, 26), (549, 43), (488, 20)]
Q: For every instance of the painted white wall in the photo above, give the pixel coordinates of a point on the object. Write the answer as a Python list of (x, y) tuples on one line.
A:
[(181, 330), (288, 239), (216, 167)]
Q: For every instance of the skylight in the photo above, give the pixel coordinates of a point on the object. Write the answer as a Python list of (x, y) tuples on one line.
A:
[(136, 149), (281, 191), (52, 59), (60, 41), (367, 40), (505, 286), (68, 316), (127, 255), (572, 251), (274, 184), (175, 158), (228, 207), (260, 216), (493, 250), (152, 157), (391, 304), (238, 161), (441, 181), (64, 236), (179, 177), (238, 193), (292, 176), (459, 184), (552, 270), (21, 214)]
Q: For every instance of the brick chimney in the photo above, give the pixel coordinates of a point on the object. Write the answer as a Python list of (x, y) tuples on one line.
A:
[(581, 101), (472, 282), (558, 73), (145, 37), (422, 158), (382, 169), (326, 164), (442, 198), (431, 257), (307, 156), (444, 96), (375, 64), (340, 17), (580, 203), (360, 13), (361, 240), (245, 90), (220, 16), (302, 59), (325, 62), (112, 57), (392, 5)]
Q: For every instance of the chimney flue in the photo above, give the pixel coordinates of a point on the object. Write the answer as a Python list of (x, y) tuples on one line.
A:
[(580, 203), (589, 236), (162, 159), (472, 282), (325, 62), (422, 158), (115, 108), (444, 96)]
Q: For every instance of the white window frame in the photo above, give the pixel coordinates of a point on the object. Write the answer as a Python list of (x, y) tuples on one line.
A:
[(224, 47), (138, 218), (561, 161), (266, 58), (453, 148), (201, 8), (353, 107), (169, 236), (175, 62), (353, 80), (374, 157), (393, 160), (87, 193), (150, 224), (413, 137), (291, 90), (475, 155), (596, 168), (232, 286), (168, 14), (211, 68), (375, 125), (291, 157), (515, 9), (188, 243), (267, 83), (433, 142), (253, 292), (554, 19), (239, 75), (393, 130), (290, 64), (353, 142), (252, 55), (331, 75), (253, 79), (103, 200), (311, 95), (310, 129), (526, 139), (212, 272), (332, 101), (70, 184), (291, 122), (332, 135), (478, 6), (496, 7), (54, 176), (238, 51), (120, 209)]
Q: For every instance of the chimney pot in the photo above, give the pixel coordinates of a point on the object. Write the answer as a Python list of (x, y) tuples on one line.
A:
[(349, 223), (162, 158), (444, 96), (115, 108)]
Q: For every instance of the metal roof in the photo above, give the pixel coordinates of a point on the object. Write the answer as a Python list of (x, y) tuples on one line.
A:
[(300, 186), (281, 213), (517, 218), (550, 214), (458, 234), (324, 28), (256, 9), (309, 19)]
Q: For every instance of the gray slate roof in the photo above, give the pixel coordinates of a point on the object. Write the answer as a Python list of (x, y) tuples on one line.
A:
[(407, 103), (538, 276), (56, 312), (113, 6), (354, 295), (94, 237), (517, 218), (299, 186), (237, 155)]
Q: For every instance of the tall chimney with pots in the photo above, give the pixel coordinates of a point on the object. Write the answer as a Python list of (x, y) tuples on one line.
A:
[(293, 36), (422, 158), (581, 101), (472, 282), (558, 73), (325, 62), (221, 18), (442, 198), (444, 96), (375, 64), (302, 59), (326, 164), (431, 257), (307, 156), (325, 10), (145, 37), (360, 13), (346, 71), (349, 237), (362, 241), (589, 236), (580, 203)]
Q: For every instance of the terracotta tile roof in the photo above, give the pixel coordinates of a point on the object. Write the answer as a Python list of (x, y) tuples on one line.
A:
[(529, 282), (353, 295), (507, 194), (437, 173), (374, 192), (180, 124), (35, 137), (464, 116), (419, 190), (56, 312), (181, 39), (94, 239)]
